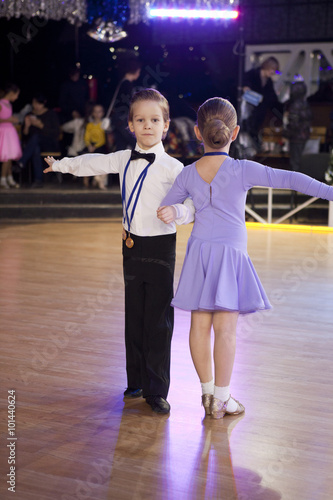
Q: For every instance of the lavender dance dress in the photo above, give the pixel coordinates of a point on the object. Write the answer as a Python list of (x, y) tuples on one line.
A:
[(217, 271), (10, 147)]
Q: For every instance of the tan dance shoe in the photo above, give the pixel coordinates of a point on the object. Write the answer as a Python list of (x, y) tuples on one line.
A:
[(239, 410), (206, 400), (218, 408)]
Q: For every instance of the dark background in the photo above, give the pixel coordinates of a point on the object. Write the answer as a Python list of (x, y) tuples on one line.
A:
[(194, 59)]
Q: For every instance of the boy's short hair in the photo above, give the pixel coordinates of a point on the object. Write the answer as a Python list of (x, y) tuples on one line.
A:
[(150, 95)]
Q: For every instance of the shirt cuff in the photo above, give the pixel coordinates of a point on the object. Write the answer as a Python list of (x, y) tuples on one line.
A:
[(184, 212), (54, 166)]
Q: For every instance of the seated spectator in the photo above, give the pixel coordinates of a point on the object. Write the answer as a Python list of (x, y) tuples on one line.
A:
[(40, 133), (95, 141), (76, 129), (181, 141)]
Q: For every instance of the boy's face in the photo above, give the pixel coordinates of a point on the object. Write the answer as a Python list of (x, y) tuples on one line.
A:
[(148, 124)]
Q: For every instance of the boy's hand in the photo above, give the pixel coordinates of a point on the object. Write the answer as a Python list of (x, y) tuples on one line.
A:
[(49, 160), (166, 214)]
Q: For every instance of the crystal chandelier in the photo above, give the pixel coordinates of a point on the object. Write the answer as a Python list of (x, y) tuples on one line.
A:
[(72, 10), (106, 31)]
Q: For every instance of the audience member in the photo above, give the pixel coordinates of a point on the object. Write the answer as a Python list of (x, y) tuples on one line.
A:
[(73, 96), (95, 141), (10, 147), (41, 132), (298, 117), (76, 128), (260, 80), (129, 73)]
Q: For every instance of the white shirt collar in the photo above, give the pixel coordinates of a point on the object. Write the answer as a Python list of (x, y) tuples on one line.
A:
[(158, 149)]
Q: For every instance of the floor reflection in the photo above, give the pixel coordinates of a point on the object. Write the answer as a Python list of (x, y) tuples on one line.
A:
[(141, 451), (179, 457)]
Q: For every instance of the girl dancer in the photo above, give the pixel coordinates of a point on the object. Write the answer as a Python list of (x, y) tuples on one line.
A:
[(218, 281)]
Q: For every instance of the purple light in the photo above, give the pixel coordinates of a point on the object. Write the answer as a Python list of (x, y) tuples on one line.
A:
[(194, 13)]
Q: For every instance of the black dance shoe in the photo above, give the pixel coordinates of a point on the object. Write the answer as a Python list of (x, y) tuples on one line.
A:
[(158, 404), (132, 393)]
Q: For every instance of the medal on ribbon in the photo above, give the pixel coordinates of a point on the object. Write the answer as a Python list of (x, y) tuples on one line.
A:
[(129, 242)]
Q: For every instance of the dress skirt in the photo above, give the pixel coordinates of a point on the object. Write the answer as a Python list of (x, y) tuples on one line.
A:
[(216, 277), (10, 147)]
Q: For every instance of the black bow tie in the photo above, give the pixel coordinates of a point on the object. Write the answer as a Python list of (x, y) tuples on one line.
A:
[(150, 157)]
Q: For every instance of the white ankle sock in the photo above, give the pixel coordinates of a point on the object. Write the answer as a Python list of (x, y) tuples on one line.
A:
[(10, 180), (223, 393), (207, 387)]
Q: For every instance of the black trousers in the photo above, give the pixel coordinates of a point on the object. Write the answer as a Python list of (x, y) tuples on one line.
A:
[(148, 274)]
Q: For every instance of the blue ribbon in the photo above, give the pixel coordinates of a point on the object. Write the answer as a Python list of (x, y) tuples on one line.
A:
[(215, 154), (140, 180)]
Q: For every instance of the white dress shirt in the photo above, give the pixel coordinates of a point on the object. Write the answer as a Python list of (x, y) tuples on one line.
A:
[(160, 177)]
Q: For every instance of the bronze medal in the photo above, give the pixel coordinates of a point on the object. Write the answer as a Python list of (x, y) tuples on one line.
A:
[(129, 242), (124, 235)]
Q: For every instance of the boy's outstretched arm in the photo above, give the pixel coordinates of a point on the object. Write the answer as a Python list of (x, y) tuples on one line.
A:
[(49, 160), (89, 164)]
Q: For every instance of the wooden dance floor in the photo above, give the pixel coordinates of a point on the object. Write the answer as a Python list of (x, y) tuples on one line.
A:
[(62, 352)]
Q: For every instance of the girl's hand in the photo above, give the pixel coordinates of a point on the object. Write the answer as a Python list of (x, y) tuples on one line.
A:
[(14, 120), (49, 160), (166, 214)]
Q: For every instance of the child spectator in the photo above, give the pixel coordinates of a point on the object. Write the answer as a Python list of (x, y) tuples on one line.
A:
[(95, 140), (10, 147)]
